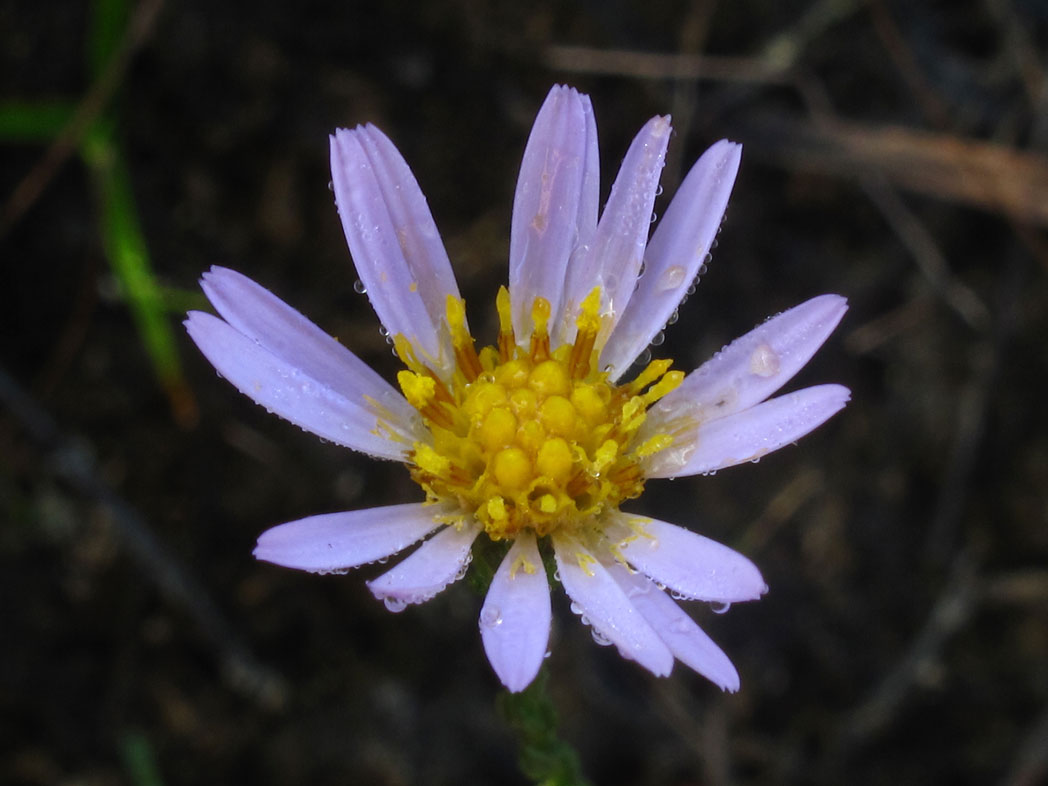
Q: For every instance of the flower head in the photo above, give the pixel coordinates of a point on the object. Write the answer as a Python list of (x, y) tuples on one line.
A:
[(535, 440)]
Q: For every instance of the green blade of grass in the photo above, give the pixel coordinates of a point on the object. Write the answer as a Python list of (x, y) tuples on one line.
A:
[(125, 248), (34, 121)]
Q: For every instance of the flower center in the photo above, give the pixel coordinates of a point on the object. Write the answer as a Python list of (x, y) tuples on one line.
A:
[(531, 438)]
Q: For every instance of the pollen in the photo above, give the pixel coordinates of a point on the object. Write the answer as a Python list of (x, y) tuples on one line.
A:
[(531, 437)]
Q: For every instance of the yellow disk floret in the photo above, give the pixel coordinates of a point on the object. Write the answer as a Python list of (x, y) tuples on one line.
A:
[(531, 438)]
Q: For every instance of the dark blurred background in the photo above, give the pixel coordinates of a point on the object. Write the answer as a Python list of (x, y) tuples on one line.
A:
[(895, 153)]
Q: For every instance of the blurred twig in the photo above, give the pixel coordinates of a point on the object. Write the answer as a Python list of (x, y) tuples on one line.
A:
[(986, 175), (68, 460), (949, 613)]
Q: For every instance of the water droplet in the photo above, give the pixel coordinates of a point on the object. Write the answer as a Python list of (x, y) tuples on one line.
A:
[(644, 358), (546, 654), (658, 190), (653, 218), (331, 186), (395, 605), (556, 575), (720, 608), (703, 270), (575, 608), (671, 278), (657, 339), (490, 617), (764, 361), (673, 318), (359, 288), (600, 638)]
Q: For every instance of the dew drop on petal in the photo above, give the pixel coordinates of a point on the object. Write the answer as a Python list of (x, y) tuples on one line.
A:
[(657, 339), (764, 361), (395, 605), (720, 608), (359, 288), (600, 638), (490, 617), (671, 278)]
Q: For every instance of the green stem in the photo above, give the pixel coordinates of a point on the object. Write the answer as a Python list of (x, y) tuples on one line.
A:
[(543, 757)]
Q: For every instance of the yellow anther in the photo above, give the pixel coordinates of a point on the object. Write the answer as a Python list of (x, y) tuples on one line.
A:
[(507, 341), (524, 402), (550, 378), (514, 373), (585, 561), (455, 309), (465, 354), (406, 353), (512, 469), (633, 414), (555, 460), (588, 403), (669, 382), (496, 509), (521, 563), (540, 311), (652, 371), (428, 460), (483, 397), (547, 503), (531, 436), (558, 416), (588, 320), (420, 391), (653, 445), (605, 455), (498, 430)]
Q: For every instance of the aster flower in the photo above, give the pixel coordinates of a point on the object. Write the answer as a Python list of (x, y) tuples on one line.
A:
[(535, 440)]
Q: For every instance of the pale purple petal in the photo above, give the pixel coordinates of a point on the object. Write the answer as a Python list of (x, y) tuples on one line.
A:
[(341, 415), (688, 563), (395, 245), (752, 367), (606, 607), (750, 434), (552, 205), (686, 640), (515, 620), (677, 249), (437, 563), (612, 260), (285, 333), (333, 542)]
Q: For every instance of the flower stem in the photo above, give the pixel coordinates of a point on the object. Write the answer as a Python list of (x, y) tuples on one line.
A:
[(543, 757)]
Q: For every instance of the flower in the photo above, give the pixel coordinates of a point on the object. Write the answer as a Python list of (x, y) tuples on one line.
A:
[(538, 438)]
